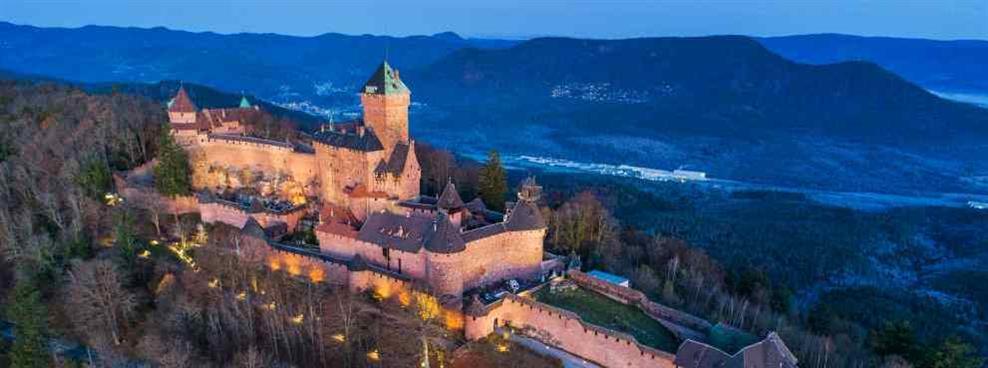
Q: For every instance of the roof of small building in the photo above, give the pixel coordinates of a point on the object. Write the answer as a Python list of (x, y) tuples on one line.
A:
[(244, 104), (182, 102), (770, 352), (450, 198), (476, 205), (253, 228), (385, 81), (609, 277), (366, 142), (389, 230)]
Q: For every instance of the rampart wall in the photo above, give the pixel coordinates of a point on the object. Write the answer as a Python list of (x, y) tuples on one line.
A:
[(230, 214), (507, 255), (655, 310), (148, 198), (342, 168), (344, 247), (566, 330), (258, 156)]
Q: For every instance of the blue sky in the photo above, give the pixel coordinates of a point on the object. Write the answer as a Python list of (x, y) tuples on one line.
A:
[(937, 19)]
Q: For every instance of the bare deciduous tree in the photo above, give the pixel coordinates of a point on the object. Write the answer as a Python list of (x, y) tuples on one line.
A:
[(98, 300)]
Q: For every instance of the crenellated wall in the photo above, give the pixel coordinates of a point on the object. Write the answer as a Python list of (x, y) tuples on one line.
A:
[(566, 330)]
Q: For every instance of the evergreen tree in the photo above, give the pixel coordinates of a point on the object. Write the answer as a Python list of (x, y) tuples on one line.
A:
[(94, 177), (493, 182), (29, 316), (954, 353), (172, 175)]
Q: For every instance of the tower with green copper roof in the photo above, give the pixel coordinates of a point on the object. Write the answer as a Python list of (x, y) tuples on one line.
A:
[(385, 100), (385, 81), (244, 104)]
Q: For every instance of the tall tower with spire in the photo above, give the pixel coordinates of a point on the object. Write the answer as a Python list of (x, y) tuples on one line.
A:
[(385, 100)]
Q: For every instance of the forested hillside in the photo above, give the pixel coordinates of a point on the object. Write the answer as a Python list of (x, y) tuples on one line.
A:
[(81, 264)]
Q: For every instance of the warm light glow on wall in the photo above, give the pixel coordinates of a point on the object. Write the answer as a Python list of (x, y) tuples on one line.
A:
[(317, 275), (453, 319), (382, 290), (405, 298)]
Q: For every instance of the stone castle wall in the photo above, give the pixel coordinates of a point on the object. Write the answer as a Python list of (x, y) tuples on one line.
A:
[(148, 198), (498, 257), (341, 168), (507, 255), (260, 157), (566, 330), (212, 212), (343, 247), (634, 297)]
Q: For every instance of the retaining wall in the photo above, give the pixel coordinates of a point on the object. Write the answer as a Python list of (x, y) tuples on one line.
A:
[(566, 330)]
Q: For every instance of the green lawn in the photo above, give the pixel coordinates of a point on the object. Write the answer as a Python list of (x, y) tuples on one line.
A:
[(601, 311)]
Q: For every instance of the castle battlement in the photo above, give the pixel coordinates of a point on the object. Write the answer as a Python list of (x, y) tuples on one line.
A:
[(259, 143)]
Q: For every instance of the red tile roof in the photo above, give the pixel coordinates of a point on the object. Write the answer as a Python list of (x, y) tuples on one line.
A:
[(182, 102)]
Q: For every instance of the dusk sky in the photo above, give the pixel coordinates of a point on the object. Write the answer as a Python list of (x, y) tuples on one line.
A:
[(936, 19)]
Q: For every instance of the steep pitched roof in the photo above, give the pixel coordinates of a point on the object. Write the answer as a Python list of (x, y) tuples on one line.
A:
[(366, 142), (693, 354), (525, 216), (770, 352), (385, 81), (450, 198), (389, 230), (444, 237), (254, 229), (396, 163), (182, 102), (244, 104)]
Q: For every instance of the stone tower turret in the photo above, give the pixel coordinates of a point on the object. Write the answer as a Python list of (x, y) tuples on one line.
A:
[(181, 109), (529, 190), (385, 100)]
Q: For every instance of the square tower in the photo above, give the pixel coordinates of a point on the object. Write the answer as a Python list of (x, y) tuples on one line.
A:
[(385, 101)]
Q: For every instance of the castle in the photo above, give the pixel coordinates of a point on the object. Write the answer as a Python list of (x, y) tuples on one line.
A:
[(355, 185), (366, 176)]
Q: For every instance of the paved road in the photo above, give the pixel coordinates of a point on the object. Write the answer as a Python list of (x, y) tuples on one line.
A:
[(569, 360)]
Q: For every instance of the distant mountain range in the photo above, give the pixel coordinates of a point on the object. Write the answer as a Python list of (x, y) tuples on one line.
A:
[(728, 105), (948, 66)]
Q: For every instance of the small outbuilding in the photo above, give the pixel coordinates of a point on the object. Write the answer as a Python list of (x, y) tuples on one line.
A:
[(610, 277)]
